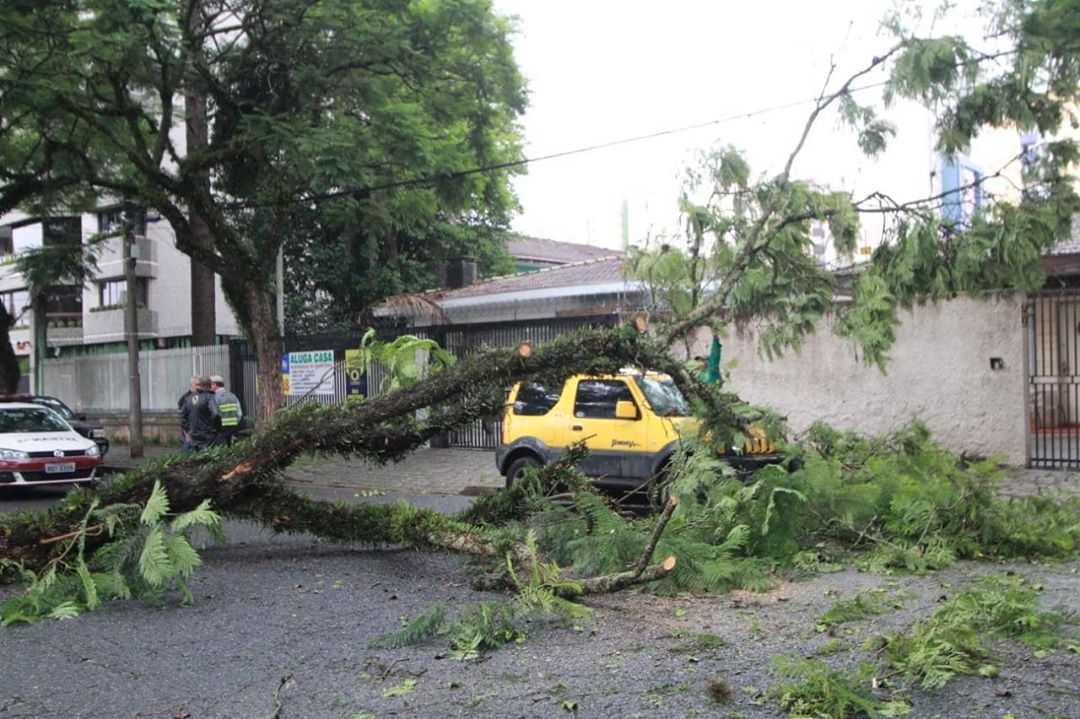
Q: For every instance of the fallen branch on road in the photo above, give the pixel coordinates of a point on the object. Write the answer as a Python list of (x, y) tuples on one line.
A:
[(246, 481)]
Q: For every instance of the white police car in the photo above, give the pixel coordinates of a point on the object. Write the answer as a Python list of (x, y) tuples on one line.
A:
[(37, 447)]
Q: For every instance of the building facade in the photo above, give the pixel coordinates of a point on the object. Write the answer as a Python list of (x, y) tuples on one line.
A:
[(90, 318)]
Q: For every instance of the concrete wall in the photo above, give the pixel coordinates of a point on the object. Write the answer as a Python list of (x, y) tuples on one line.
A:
[(940, 372)]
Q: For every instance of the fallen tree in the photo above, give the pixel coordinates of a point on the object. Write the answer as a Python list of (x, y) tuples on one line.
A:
[(246, 481)]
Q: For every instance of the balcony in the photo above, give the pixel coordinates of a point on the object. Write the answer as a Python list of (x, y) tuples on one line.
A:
[(106, 324), (111, 260), (65, 328)]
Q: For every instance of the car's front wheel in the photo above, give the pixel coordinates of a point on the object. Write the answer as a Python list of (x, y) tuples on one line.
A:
[(517, 468)]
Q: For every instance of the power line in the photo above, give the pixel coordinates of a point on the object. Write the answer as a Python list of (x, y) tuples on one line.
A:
[(431, 179)]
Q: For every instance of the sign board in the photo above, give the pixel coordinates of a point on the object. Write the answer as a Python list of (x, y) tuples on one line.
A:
[(305, 373), (355, 374)]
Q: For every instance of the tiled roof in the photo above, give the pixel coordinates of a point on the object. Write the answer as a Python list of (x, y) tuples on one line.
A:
[(1070, 246), (590, 272), (538, 249)]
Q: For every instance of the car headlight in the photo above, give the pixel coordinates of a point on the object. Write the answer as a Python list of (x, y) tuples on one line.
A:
[(98, 433), (92, 451), (13, 454)]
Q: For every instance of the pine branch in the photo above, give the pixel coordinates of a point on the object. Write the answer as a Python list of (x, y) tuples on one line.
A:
[(658, 531)]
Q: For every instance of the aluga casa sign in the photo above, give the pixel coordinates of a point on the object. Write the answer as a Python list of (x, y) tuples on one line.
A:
[(306, 373)]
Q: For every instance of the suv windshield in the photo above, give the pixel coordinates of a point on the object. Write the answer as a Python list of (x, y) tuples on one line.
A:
[(663, 396), (19, 419)]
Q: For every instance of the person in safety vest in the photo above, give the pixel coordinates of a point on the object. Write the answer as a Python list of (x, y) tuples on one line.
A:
[(229, 411)]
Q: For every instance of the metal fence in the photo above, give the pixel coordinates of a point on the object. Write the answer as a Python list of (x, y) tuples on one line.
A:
[(459, 340), (99, 383)]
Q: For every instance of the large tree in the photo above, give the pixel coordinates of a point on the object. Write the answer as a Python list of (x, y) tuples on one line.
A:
[(334, 274), (749, 239), (312, 106), (761, 269)]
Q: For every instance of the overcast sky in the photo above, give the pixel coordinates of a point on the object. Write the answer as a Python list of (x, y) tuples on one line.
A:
[(603, 70)]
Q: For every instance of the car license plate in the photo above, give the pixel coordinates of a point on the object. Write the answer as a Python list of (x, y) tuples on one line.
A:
[(59, 467)]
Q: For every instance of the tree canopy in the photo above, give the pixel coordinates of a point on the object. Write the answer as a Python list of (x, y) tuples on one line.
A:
[(351, 121), (749, 239)]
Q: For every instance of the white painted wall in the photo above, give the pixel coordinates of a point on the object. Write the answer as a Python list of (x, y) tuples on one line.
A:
[(940, 373)]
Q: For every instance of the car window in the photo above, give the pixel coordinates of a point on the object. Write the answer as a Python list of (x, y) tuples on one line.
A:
[(596, 398), (535, 400), (663, 396), (24, 419), (56, 406)]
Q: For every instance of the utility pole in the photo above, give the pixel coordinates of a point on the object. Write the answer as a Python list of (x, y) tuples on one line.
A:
[(131, 332)]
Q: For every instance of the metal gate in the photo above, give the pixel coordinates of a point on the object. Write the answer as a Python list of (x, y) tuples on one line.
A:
[(1053, 348)]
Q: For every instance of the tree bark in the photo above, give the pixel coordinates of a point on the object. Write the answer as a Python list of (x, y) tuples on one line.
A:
[(264, 336), (9, 362), (197, 136)]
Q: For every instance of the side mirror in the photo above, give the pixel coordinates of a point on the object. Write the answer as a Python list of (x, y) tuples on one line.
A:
[(625, 409), (81, 416)]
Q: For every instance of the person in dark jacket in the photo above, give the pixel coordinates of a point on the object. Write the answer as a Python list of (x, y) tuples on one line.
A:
[(184, 404), (203, 416)]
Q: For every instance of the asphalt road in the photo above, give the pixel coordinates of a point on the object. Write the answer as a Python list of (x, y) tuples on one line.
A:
[(280, 627)]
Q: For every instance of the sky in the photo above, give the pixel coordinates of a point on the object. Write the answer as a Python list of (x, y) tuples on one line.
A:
[(600, 71)]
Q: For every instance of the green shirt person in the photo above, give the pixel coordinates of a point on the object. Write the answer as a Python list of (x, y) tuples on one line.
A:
[(709, 369)]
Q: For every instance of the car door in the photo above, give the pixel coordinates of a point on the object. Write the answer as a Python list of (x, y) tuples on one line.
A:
[(616, 447)]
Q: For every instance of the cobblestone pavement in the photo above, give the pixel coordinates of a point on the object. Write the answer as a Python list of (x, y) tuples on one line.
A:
[(466, 471)]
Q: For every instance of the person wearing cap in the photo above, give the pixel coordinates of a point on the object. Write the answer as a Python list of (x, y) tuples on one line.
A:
[(203, 416), (229, 412)]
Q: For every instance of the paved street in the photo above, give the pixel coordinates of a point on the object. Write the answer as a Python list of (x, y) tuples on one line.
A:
[(426, 471), (467, 471)]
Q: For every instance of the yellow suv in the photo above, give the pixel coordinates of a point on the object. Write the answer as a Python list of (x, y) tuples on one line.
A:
[(631, 423)]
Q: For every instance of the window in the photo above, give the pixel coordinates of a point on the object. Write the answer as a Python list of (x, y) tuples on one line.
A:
[(62, 300), (596, 399), (113, 293), (962, 190), (664, 397), (534, 400), (111, 219), (15, 301), (61, 231)]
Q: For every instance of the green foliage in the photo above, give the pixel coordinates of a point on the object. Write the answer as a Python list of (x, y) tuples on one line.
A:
[(149, 553), (862, 606), (893, 503), (815, 690), (402, 358), (413, 631), (950, 642), (485, 626), (361, 145)]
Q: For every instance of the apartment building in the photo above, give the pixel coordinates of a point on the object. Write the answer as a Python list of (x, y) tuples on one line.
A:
[(91, 318)]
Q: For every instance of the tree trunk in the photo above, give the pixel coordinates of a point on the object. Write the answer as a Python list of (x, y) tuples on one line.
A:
[(203, 309), (40, 342), (262, 329), (9, 362), (131, 333)]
